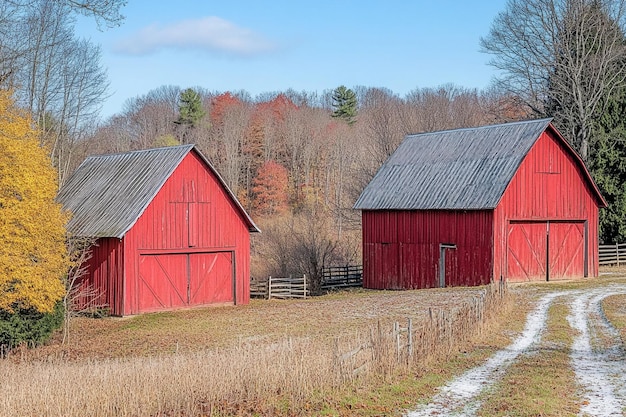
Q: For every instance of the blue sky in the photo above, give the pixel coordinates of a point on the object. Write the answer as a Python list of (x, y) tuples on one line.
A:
[(264, 46)]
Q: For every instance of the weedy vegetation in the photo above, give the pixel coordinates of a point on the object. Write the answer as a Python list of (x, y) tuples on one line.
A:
[(332, 355)]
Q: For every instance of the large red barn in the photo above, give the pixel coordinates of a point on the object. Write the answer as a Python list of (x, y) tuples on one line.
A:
[(168, 232), (463, 207)]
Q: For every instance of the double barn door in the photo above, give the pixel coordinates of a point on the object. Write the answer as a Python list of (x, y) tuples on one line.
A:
[(185, 279), (546, 250)]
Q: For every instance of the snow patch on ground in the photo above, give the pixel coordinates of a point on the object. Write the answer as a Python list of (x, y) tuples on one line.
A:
[(600, 367)]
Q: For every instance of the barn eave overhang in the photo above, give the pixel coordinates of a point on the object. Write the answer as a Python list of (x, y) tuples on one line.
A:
[(432, 209)]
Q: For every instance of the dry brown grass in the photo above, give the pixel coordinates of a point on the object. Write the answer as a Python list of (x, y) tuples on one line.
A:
[(279, 357), (325, 318), (185, 384)]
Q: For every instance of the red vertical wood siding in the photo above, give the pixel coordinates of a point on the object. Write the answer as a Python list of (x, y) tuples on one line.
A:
[(545, 222), (207, 278), (401, 248), (526, 251), (567, 247), (102, 285), (161, 282), (550, 185)]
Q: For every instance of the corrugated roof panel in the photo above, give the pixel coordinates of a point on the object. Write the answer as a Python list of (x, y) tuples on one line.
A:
[(453, 169), (107, 194)]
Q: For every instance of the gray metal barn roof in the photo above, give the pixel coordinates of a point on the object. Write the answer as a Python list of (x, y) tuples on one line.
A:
[(453, 169), (107, 193)]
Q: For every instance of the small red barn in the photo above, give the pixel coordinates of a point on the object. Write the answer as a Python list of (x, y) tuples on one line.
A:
[(462, 207), (169, 233)]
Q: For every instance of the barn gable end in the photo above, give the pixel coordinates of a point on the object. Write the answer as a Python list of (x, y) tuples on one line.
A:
[(447, 208), (549, 210), (185, 243)]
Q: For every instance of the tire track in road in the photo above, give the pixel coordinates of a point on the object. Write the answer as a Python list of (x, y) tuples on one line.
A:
[(459, 397), (599, 369)]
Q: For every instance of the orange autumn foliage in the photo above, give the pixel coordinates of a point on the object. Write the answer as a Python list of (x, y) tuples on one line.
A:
[(277, 108), (220, 105), (33, 255), (270, 189)]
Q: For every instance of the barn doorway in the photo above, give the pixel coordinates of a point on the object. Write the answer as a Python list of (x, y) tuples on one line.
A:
[(546, 250), (445, 268), (168, 281)]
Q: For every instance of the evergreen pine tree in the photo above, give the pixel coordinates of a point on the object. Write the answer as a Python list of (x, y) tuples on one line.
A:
[(607, 164), (190, 110), (345, 104)]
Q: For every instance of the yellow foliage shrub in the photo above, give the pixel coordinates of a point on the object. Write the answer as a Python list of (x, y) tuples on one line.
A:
[(33, 255)]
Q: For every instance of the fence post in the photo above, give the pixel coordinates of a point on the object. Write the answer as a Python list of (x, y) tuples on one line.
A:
[(617, 252), (304, 278), (269, 288), (410, 330), (396, 330)]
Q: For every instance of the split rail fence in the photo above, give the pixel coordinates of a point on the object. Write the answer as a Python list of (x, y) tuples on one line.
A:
[(612, 254), (282, 288)]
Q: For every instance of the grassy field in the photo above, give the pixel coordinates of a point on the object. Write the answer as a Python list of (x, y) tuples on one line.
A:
[(284, 358), (341, 314)]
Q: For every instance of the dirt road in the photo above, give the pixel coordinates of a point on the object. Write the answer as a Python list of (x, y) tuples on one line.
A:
[(596, 356)]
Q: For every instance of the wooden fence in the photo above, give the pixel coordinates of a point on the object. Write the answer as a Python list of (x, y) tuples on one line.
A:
[(435, 336), (612, 254), (283, 288), (340, 277), (334, 278), (258, 288)]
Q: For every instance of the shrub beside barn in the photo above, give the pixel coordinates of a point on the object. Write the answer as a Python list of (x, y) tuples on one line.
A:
[(464, 207), (168, 232)]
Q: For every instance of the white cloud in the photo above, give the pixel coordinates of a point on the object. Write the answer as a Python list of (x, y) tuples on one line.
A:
[(211, 34)]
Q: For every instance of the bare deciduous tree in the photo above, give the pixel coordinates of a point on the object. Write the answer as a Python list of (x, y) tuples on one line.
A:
[(107, 12), (303, 243), (562, 57), (232, 136), (444, 107), (77, 296), (56, 76), (381, 114)]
